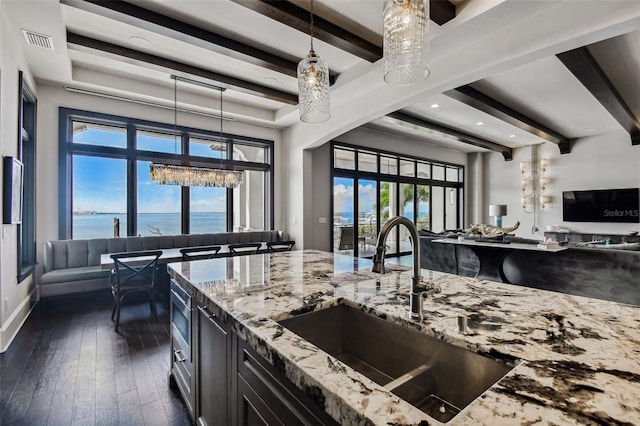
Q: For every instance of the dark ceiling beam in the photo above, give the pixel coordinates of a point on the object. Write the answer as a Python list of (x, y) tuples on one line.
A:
[(506, 152), (441, 11), (298, 18), (137, 16), (84, 43), (585, 68), (478, 100)]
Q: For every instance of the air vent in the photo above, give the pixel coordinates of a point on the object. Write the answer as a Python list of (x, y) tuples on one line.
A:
[(38, 40)]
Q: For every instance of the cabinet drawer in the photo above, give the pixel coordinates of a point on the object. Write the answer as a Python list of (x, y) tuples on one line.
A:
[(278, 393), (182, 370)]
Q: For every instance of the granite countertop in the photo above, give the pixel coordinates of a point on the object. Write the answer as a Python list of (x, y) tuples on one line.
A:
[(581, 356)]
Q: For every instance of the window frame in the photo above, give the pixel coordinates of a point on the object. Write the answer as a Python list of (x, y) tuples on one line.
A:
[(396, 179), (27, 133), (67, 148)]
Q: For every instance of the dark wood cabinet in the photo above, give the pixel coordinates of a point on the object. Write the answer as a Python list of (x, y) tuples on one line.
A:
[(224, 381), (265, 394), (213, 363)]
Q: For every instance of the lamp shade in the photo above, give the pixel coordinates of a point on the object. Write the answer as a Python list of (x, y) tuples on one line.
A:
[(497, 210)]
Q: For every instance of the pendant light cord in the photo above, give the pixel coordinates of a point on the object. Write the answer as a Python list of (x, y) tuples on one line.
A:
[(175, 118), (222, 144), (311, 25)]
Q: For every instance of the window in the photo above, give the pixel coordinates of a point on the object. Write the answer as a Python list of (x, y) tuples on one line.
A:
[(95, 134), (411, 187), (26, 230), (99, 216), (107, 191)]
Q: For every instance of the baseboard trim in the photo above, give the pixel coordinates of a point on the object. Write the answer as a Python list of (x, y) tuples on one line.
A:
[(14, 323)]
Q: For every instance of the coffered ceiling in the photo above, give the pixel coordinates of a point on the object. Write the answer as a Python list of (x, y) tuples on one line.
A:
[(504, 73)]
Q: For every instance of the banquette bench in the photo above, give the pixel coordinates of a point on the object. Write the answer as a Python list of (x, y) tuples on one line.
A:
[(73, 266)]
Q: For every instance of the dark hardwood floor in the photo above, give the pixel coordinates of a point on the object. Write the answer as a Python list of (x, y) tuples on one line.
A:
[(67, 366)]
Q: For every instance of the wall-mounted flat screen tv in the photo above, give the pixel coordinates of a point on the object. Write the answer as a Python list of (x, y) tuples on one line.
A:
[(604, 205)]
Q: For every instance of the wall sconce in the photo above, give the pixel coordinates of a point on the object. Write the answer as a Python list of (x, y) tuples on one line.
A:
[(497, 211), (543, 183), (544, 199)]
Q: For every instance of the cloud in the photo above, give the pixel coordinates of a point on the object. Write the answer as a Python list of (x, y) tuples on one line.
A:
[(342, 198)]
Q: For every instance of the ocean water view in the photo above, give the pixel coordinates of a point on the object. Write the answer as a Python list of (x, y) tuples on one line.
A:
[(100, 225)]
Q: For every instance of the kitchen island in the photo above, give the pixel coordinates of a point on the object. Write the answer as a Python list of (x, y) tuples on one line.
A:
[(581, 356)]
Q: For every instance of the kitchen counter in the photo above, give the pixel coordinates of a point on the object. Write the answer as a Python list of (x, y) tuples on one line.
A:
[(581, 356)]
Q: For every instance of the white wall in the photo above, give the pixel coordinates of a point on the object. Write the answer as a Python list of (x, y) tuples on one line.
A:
[(14, 297), (318, 235), (606, 161)]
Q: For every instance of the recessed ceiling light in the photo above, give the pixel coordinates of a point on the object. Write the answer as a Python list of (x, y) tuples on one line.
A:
[(512, 135), (434, 106), (139, 41), (479, 123), (271, 80), (591, 130)]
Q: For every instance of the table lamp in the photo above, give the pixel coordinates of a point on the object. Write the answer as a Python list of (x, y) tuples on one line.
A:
[(497, 211)]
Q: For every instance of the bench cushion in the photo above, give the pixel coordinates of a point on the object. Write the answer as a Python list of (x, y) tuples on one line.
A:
[(74, 274)]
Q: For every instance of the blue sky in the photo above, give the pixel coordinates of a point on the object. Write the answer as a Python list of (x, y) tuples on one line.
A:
[(100, 183)]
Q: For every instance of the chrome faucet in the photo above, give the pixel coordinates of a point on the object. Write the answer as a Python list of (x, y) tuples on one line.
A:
[(417, 288)]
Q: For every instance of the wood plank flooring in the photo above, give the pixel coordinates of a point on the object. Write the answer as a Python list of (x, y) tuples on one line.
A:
[(68, 366)]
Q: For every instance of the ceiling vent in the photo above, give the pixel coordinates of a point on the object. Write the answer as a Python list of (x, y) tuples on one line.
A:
[(38, 40)]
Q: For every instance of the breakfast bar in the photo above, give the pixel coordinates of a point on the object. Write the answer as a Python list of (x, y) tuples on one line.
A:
[(572, 359)]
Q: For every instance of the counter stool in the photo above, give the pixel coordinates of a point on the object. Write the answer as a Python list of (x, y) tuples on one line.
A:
[(244, 248), (277, 246), (201, 252)]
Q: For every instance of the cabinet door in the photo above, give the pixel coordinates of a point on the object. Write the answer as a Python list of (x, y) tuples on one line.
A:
[(212, 369), (275, 398), (252, 410)]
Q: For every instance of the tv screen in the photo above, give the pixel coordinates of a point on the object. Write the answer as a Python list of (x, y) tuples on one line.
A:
[(605, 205)]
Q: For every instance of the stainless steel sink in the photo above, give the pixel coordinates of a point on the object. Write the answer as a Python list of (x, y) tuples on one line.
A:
[(436, 377)]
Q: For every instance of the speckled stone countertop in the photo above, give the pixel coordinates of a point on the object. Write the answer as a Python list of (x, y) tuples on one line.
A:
[(581, 356)]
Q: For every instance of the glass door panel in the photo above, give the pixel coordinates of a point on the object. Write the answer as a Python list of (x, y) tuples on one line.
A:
[(343, 213), (407, 209), (451, 218), (367, 217), (437, 208), (422, 218), (388, 209)]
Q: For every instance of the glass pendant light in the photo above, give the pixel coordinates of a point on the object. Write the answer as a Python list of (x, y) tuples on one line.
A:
[(313, 85), (406, 41)]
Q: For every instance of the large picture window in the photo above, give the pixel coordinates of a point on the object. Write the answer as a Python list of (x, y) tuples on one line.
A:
[(369, 187), (106, 189)]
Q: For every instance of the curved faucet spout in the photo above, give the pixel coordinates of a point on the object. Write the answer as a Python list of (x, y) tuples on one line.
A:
[(378, 258)]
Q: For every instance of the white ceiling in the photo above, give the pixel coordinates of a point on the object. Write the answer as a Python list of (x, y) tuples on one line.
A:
[(503, 48)]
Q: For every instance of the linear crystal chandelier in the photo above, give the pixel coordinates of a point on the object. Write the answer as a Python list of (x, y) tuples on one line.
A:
[(406, 41), (313, 85), (172, 174)]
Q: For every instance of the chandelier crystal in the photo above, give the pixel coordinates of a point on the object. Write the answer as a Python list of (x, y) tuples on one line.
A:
[(313, 85), (406, 41), (168, 174), (171, 174)]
